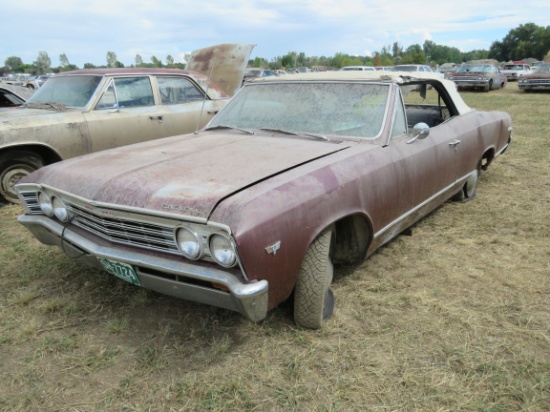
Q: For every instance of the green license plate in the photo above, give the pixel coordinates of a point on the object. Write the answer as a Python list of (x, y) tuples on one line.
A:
[(120, 270)]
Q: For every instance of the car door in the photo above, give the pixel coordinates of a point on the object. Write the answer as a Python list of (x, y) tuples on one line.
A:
[(184, 106), (426, 167), (125, 113)]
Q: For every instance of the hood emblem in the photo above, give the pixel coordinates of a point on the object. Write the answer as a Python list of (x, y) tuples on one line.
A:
[(272, 250)]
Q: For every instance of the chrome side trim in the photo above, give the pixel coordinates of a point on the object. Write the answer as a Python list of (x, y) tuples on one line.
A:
[(458, 183)]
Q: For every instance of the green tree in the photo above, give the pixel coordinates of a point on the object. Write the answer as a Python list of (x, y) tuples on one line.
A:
[(414, 55), (63, 60), (169, 61), (14, 64), (111, 59), (42, 63), (138, 60), (156, 62), (89, 66), (526, 40)]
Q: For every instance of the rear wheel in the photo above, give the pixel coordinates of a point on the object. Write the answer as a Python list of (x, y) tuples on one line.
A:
[(313, 297), (13, 167), (469, 190)]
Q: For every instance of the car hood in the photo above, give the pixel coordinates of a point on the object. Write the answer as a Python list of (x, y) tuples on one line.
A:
[(544, 75), (24, 112), (187, 175)]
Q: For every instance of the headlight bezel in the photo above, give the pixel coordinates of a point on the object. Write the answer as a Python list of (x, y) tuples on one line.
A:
[(46, 206), (194, 235), (61, 212), (232, 262), (204, 239)]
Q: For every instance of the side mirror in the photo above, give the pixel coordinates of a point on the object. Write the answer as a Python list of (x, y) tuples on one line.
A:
[(420, 131)]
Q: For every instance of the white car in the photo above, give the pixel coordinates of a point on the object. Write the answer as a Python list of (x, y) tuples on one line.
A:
[(358, 68), (417, 68), (515, 71)]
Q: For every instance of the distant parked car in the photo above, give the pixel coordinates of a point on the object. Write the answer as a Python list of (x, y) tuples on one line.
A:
[(294, 175), (478, 76), (253, 73), (416, 68), (13, 96), (358, 68), (85, 111), (447, 67), (35, 82), (15, 79), (538, 80), (514, 71)]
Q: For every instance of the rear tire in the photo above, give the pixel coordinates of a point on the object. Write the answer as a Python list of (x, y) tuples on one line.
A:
[(313, 297), (14, 166), (469, 190)]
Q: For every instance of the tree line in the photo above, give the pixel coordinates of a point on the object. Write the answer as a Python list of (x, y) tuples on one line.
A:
[(525, 41)]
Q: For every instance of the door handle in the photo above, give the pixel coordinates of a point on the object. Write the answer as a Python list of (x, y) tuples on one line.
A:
[(454, 143), (212, 112), (159, 118)]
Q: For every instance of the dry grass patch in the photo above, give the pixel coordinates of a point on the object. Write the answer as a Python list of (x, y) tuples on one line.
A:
[(453, 318)]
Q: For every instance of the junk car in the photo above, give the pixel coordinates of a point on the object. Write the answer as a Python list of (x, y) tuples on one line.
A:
[(85, 111), (476, 76), (538, 80), (296, 174)]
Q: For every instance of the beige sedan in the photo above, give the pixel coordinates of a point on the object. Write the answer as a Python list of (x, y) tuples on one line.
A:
[(85, 111)]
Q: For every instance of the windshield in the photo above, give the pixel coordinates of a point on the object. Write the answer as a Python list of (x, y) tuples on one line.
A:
[(345, 109), (543, 68), (474, 68), (70, 91)]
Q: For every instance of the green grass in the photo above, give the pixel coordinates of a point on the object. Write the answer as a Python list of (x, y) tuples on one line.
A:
[(453, 318)]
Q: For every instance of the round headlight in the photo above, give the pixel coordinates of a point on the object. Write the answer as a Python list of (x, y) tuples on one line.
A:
[(222, 250), (60, 210), (45, 204), (189, 244)]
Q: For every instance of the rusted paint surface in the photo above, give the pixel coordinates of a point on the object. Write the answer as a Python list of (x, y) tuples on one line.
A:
[(273, 189), (182, 173), (228, 61)]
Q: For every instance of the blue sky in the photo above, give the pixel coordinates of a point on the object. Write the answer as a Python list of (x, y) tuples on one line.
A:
[(86, 30)]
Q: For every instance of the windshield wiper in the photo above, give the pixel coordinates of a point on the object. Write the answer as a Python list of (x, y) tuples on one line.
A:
[(316, 135), (221, 126), (267, 129)]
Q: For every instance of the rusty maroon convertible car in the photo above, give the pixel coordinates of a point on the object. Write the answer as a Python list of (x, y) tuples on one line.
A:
[(294, 175)]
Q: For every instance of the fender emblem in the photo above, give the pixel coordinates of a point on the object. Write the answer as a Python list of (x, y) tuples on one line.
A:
[(272, 250)]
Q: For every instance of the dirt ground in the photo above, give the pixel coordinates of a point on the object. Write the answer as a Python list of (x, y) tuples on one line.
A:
[(453, 318)]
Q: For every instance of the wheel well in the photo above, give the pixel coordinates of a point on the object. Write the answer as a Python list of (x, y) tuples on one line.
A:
[(47, 154), (352, 236), (487, 158)]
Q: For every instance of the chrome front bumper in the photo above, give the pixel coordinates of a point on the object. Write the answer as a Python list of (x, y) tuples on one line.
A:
[(181, 280)]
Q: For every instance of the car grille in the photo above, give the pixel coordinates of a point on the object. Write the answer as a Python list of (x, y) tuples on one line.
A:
[(126, 232), (31, 201), (537, 82), (466, 78)]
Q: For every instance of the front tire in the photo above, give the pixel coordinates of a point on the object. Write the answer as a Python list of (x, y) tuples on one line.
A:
[(13, 167), (313, 297)]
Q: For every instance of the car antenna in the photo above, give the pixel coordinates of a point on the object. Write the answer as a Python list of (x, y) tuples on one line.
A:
[(204, 100)]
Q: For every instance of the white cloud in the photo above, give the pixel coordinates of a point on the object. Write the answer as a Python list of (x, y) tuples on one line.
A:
[(86, 30)]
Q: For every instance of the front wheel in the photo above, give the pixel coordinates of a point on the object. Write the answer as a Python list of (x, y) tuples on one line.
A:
[(313, 297), (13, 167)]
